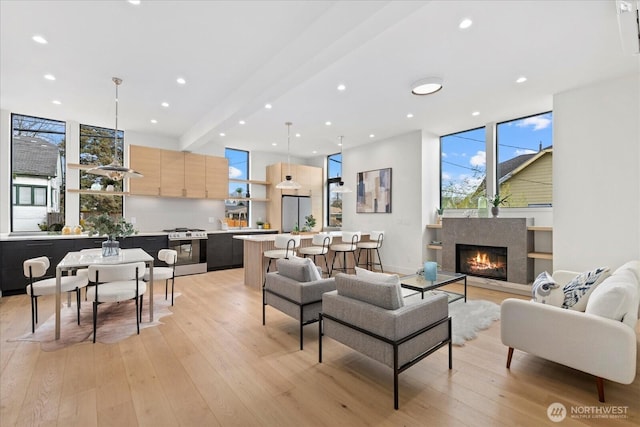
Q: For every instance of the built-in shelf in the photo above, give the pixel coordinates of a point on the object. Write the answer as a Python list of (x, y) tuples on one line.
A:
[(252, 199), (435, 247), (540, 255), (434, 225), (249, 181), (79, 166), (539, 228), (98, 192)]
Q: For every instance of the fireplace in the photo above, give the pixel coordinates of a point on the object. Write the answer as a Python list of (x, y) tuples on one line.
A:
[(482, 261)]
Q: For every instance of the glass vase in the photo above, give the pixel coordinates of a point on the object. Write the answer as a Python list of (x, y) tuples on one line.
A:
[(110, 248)]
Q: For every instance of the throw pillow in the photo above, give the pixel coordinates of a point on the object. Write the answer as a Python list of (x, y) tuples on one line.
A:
[(577, 291), (298, 269), (542, 287), (616, 298), (372, 276)]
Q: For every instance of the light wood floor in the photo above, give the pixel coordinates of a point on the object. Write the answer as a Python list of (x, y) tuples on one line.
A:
[(213, 363)]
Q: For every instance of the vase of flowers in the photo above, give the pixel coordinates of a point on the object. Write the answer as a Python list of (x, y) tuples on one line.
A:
[(496, 201), (114, 228)]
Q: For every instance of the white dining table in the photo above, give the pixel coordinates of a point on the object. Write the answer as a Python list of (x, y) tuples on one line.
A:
[(83, 259)]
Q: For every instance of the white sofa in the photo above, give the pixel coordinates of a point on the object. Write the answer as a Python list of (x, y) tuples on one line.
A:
[(600, 340)]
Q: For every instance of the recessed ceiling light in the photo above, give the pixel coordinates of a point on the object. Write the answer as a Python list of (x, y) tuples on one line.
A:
[(241, 122), (372, 136), (181, 81), (521, 79), (327, 123), (409, 116), (39, 39), (274, 143), (314, 152), (135, 2), (298, 135), (465, 23), (268, 106), (165, 104), (341, 87), (475, 113), (154, 121), (55, 101), (222, 134), (49, 77), (426, 86)]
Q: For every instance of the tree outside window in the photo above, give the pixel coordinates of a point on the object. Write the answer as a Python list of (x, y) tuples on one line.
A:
[(463, 170)]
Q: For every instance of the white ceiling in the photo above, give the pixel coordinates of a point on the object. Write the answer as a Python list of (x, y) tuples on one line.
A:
[(238, 55)]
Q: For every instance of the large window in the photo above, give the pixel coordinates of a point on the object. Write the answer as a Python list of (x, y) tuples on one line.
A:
[(334, 176), (236, 207), (37, 173), (525, 152), (463, 168), (97, 148)]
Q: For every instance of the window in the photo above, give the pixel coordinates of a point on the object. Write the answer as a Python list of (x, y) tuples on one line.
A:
[(462, 168), (334, 200), (27, 195), (37, 173), (96, 148), (236, 207), (525, 152)]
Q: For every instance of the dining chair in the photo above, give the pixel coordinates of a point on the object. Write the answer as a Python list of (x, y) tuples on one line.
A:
[(349, 244), (320, 244), (169, 257), (37, 267), (117, 283), (374, 243)]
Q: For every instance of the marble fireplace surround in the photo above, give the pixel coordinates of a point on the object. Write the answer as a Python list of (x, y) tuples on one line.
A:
[(507, 232)]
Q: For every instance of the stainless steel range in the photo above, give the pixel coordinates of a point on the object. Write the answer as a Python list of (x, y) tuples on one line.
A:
[(191, 245)]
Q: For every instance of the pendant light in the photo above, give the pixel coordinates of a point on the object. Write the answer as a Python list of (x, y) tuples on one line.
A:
[(341, 188), (288, 183), (115, 170)]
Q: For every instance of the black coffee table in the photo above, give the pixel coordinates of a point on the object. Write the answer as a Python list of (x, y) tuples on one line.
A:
[(417, 282)]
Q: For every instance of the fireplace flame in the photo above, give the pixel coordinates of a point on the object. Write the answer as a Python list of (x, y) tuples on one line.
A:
[(482, 262)]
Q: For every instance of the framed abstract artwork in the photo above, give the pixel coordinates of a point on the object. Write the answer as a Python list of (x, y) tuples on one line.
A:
[(374, 191)]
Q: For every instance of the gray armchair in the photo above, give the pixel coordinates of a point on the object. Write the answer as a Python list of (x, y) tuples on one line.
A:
[(296, 289), (372, 318)]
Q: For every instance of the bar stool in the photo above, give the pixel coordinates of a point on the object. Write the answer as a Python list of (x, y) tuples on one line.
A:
[(285, 247), (349, 243), (376, 238), (320, 246)]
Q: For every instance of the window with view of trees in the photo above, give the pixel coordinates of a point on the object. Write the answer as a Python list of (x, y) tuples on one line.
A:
[(236, 211), (334, 174), (525, 153), (97, 148), (463, 170), (37, 173)]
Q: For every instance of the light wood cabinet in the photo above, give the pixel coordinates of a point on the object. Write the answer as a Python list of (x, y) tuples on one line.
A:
[(311, 179), (195, 173), (217, 177), (145, 160), (172, 173), (169, 173)]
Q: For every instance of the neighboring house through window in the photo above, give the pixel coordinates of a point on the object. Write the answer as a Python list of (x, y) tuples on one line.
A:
[(37, 174), (236, 207), (334, 200)]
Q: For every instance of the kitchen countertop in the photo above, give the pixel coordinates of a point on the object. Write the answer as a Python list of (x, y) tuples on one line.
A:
[(45, 236)]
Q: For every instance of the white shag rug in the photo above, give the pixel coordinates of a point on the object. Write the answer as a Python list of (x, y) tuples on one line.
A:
[(466, 318)]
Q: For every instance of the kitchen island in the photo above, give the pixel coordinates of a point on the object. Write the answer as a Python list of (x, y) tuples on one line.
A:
[(255, 264)]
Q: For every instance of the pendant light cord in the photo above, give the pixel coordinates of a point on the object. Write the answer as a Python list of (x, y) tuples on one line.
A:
[(117, 81), (288, 148)]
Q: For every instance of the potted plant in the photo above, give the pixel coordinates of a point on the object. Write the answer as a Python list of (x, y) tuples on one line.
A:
[(310, 222), (496, 201), (296, 229), (105, 225), (439, 212), (260, 224)]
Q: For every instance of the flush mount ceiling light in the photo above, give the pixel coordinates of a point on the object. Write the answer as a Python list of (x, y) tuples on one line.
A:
[(341, 188), (115, 170), (426, 86), (288, 183)]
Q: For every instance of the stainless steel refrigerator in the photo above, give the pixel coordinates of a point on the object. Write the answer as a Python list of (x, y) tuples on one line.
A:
[(294, 210)]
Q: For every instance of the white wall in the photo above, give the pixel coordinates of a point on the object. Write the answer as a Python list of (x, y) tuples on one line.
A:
[(402, 248), (596, 169)]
